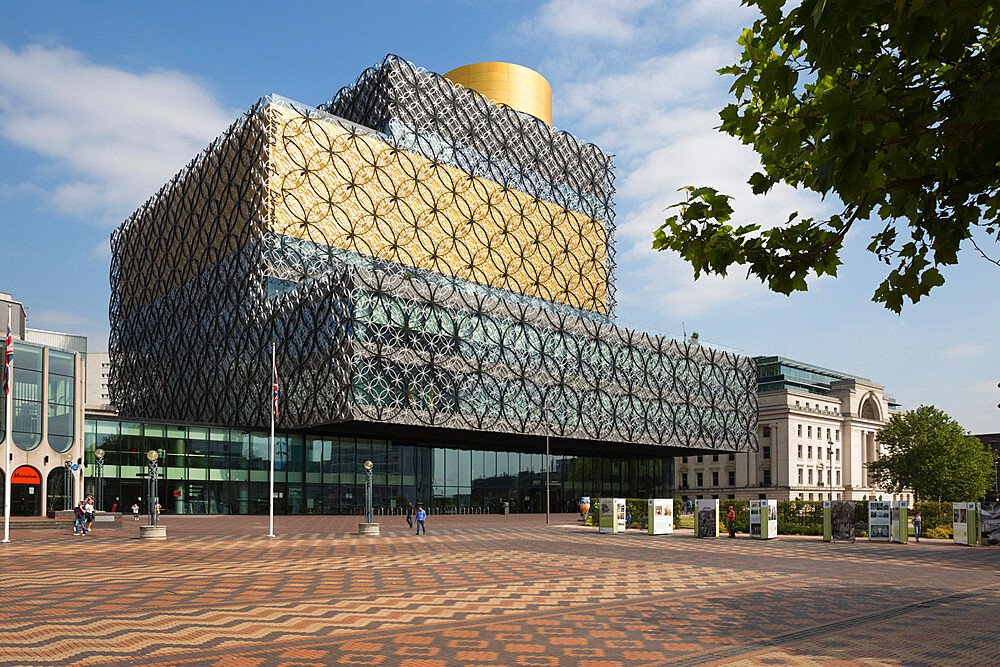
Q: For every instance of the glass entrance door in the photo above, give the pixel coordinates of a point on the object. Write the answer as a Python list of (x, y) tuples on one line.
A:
[(26, 499)]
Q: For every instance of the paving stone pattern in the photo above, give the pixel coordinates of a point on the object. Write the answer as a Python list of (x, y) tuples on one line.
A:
[(486, 591)]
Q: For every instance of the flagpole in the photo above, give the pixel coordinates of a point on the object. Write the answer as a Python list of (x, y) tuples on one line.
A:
[(274, 370), (8, 418)]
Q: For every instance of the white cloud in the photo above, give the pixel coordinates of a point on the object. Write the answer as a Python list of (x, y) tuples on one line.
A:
[(964, 350), (111, 137), (103, 249), (659, 116), (988, 387), (598, 20), (20, 190), (71, 323)]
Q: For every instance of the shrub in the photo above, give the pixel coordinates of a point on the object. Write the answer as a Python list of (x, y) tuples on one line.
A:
[(800, 517), (939, 533)]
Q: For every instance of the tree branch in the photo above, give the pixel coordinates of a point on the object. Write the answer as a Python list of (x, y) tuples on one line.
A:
[(985, 256)]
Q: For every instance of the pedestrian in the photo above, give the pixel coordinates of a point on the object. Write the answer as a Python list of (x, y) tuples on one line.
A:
[(88, 512), (409, 514), (135, 511), (114, 506), (731, 521), (79, 524), (421, 516), (918, 523)]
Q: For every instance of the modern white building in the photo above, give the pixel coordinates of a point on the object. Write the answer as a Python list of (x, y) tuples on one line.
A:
[(817, 431), (48, 387)]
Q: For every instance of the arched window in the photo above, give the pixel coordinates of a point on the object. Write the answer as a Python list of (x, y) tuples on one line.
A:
[(61, 394), (27, 386), (55, 492), (869, 409)]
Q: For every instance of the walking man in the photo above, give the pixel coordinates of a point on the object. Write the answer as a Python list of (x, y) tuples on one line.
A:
[(409, 514), (421, 515), (79, 524), (918, 523), (731, 522)]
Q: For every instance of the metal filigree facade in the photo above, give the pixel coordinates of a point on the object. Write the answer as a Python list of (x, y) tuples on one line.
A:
[(421, 257)]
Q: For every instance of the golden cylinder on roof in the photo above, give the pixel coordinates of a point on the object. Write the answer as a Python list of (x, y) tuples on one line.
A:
[(516, 86)]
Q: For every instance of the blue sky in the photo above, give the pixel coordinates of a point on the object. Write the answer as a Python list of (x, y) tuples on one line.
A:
[(100, 104)]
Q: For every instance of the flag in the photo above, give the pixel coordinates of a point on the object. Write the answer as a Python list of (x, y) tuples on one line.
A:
[(8, 357), (274, 385)]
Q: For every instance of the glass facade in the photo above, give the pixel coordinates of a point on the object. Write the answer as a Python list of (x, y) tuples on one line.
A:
[(27, 387), (60, 399), (225, 471)]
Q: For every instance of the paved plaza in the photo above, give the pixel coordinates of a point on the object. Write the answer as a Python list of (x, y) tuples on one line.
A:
[(483, 591)]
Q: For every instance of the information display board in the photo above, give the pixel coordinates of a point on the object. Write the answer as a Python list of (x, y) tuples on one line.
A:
[(879, 519), (708, 517), (842, 521), (768, 519), (660, 516), (960, 522), (755, 514), (827, 521), (899, 523), (989, 524), (612, 515), (965, 523), (973, 511)]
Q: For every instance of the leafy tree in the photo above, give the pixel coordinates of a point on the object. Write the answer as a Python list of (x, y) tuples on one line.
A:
[(929, 452), (893, 106)]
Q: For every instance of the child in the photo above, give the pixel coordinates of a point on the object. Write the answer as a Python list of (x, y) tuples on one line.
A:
[(135, 511)]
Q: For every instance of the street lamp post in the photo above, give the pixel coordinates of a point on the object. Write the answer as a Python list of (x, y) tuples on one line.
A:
[(68, 482), (151, 458), (547, 494), (368, 491), (829, 455), (99, 460)]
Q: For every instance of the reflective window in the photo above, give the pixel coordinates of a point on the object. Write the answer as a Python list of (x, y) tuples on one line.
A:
[(61, 398), (27, 390)]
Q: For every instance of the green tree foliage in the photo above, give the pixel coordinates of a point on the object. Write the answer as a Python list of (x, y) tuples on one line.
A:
[(893, 107), (929, 452)]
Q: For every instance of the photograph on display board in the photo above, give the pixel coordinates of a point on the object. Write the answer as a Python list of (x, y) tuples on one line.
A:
[(842, 516), (880, 532), (989, 514), (607, 506), (878, 520), (708, 522), (772, 512)]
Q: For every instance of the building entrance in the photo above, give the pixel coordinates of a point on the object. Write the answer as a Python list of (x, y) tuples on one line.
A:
[(25, 492)]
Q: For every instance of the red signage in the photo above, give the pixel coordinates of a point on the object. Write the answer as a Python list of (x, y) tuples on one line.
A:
[(26, 475), (177, 493)]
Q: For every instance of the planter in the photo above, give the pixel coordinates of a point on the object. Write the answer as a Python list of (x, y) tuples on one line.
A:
[(153, 532), (368, 529)]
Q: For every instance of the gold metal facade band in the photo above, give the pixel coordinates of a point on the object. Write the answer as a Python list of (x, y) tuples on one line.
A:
[(347, 190)]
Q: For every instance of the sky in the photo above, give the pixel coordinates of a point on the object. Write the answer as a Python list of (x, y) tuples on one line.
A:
[(100, 104)]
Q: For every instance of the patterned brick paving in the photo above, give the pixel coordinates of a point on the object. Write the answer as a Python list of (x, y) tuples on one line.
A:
[(486, 590)]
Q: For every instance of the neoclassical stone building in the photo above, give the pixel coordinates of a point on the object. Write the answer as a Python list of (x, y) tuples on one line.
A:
[(817, 431)]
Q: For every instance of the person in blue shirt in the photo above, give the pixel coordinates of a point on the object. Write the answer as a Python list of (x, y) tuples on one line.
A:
[(421, 515)]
